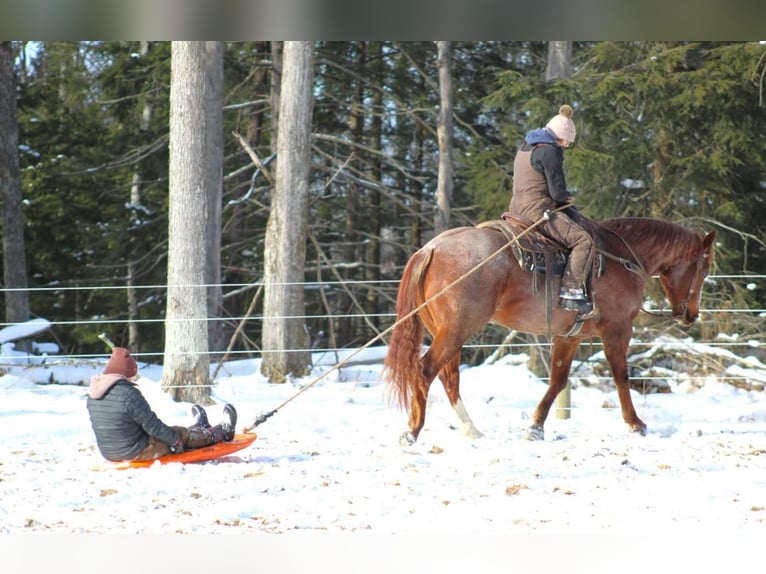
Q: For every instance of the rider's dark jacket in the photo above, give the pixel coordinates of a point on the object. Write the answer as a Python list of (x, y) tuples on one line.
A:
[(539, 185), (545, 180), (122, 419)]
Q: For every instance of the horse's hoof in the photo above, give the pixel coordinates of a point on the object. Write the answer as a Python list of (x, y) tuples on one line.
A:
[(535, 433), (638, 429), (473, 434), (407, 439)]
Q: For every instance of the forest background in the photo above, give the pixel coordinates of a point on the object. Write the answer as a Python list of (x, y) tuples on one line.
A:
[(673, 130)]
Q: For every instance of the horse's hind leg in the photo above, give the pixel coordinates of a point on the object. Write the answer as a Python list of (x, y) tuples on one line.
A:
[(444, 361), (417, 413), (450, 377)]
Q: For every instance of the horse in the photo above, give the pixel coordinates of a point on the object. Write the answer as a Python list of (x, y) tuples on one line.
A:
[(467, 277)]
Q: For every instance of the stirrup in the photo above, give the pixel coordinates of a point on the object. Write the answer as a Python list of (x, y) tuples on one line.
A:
[(573, 293), (582, 306)]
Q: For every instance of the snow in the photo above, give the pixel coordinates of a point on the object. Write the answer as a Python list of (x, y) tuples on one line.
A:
[(327, 473), (23, 330)]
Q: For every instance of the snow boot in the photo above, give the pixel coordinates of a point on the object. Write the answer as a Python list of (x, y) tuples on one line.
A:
[(225, 431), (200, 417), (229, 426)]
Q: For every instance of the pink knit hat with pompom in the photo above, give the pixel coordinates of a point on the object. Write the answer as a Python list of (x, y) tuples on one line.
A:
[(562, 124)]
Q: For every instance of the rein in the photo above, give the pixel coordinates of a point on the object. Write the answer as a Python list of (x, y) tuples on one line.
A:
[(634, 267), (262, 418), (637, 268)]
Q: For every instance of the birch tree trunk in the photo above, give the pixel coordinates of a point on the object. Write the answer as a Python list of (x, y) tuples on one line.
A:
[(14, 255), (444, 131), (285, 351), (186, 369)]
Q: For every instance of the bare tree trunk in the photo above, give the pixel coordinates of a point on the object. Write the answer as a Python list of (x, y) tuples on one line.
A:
[(237, 224), (559, 61), (186, 369), (134, 341), (214, 186), (284, 327), (444, 130), (375, 217), (276, 90), (559, 67), (420, 232), (14, 255), (346, 323)]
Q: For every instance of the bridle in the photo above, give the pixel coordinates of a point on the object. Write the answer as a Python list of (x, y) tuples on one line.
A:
[(685, 303), (637, 267)]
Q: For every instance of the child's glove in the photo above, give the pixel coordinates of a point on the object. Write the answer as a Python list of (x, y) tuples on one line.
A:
[(177, 446)]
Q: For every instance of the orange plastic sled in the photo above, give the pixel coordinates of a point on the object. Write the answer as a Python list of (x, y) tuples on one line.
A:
[(211, 452)]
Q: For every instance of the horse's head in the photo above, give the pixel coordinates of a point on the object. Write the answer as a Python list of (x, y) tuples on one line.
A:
[(683, 281)]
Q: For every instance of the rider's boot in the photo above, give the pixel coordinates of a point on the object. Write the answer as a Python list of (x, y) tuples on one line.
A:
[(575, 299)]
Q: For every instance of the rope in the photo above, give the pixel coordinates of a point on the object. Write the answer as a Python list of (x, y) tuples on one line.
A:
[(261, 419)]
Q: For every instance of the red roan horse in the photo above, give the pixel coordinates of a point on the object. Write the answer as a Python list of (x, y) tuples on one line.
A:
[(500, 291)]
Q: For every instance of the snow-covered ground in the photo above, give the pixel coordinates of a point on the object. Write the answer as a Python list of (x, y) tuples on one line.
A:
[(329, 463)]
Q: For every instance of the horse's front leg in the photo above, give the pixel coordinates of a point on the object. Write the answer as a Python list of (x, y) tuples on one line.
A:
[(616, 351), (562, 353)]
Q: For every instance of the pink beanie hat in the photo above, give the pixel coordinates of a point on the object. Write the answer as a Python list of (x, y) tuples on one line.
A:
[(562, 124)]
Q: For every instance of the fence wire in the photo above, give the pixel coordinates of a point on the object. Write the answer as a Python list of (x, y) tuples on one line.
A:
[(46, 361)]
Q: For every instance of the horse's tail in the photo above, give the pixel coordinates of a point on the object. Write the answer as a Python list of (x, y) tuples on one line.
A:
[(402, 368)]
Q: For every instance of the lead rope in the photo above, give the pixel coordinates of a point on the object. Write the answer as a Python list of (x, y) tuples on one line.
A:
[(264, 417)]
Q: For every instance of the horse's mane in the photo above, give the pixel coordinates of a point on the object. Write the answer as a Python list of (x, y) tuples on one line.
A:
[(653, 231)]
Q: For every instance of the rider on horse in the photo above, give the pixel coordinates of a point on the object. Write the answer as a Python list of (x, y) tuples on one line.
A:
[(539, 186)]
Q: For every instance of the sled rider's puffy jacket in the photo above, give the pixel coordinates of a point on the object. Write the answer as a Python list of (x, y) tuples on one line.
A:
[(122, 419)]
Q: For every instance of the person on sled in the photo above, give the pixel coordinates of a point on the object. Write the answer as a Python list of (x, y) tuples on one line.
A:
[(539, 186), (126, 427)]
